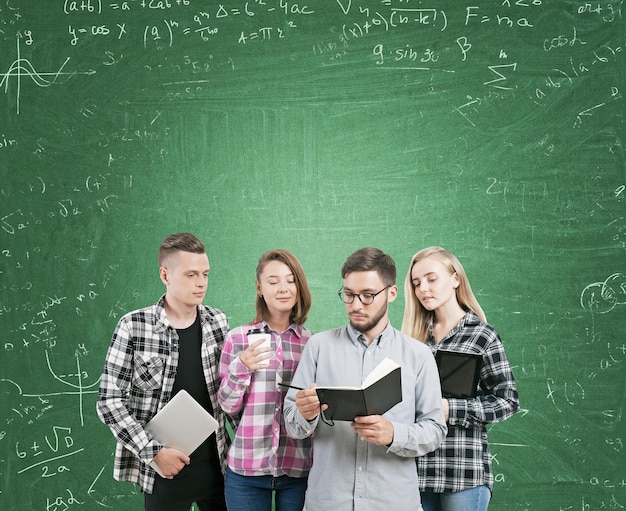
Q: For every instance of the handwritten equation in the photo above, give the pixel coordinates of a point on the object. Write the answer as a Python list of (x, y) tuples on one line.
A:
[(280, 20)]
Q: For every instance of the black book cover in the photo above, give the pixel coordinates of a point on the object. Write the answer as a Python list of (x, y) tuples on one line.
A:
[(459, 373)]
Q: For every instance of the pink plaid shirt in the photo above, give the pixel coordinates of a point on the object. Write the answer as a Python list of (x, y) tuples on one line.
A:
[(261, 446)]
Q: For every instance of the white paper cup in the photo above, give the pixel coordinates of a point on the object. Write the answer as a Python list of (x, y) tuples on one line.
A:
[(256, 334)]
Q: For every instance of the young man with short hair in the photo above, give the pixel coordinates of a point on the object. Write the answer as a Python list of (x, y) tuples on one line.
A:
[(155, 352), (367, 464)]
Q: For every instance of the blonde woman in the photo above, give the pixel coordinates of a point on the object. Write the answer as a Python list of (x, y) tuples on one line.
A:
[(441, 311)]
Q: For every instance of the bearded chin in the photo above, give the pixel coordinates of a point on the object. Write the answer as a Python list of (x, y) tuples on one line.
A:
[(366, 327)]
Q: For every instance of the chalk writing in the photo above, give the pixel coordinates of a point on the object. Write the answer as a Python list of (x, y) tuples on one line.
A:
[(7, 142), (473, 14), (62, 503), (609, 12), (22, 68), (603, 297), (560, 77), (262, 34), (588, 112), (561, 41), (408, 58), (82, 6)]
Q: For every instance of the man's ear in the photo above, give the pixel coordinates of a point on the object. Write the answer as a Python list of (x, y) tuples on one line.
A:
[(163, 275), (393, 293)]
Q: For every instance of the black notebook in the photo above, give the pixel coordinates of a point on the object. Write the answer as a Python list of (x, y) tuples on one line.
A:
[(459, 373), (381, 390)]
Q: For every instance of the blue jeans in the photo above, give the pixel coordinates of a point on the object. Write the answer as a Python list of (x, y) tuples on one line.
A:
[(474, 499), (254, 493)]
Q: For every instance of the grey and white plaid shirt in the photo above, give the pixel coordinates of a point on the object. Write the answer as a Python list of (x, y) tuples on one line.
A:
[(138, 379)]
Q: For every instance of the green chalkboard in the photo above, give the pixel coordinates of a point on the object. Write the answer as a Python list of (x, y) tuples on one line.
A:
[(492, 128)]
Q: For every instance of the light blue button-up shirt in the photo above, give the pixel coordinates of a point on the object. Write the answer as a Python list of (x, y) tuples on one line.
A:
[(350, 474)]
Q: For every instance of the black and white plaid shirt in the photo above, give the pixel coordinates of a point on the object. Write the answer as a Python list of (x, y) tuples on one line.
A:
[(138, 379), (463, 460)]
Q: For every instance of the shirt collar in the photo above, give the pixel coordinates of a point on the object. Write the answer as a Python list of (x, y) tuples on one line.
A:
[(470, 319), (163, 323), (354, 335), (295, 328)]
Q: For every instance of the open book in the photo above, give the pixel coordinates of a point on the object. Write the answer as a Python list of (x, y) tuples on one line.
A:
[(181, 424), (381, 390)]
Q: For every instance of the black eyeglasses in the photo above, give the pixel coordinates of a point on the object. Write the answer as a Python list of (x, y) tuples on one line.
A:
[(364, 298)]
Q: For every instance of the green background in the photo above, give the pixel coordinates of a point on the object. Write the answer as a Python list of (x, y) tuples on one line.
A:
[(492, 128)]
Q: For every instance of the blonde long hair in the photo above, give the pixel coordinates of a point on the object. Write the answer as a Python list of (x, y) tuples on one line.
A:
[(417, 320)]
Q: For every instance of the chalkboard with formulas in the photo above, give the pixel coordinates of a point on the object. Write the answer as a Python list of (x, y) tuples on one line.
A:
[(492, 128)]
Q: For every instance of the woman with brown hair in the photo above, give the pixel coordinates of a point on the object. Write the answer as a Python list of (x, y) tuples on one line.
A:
[(263, 463)]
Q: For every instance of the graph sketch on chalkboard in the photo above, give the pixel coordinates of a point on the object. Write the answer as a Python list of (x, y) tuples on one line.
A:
[(23, 68)]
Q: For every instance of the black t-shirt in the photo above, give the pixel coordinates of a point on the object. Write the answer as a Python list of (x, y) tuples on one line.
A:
[(190, 377)]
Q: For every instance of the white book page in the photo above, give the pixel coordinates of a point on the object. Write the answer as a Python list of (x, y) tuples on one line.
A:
[(380, 371)]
